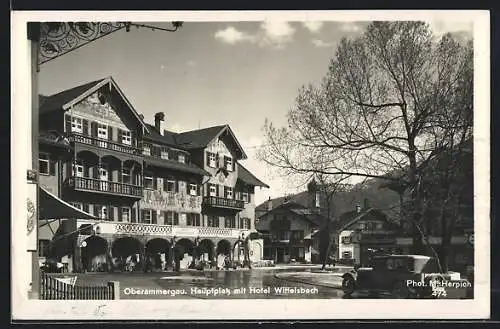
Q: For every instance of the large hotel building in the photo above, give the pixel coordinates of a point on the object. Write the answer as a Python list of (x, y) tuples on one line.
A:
[(153, 194)]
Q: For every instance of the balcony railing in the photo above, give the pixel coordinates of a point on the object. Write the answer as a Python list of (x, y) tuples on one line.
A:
[(164, 231), (105, 144), (223, 202), (92, 184)]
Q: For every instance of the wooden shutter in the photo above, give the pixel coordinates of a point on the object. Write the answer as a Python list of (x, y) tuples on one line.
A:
[(111, 212), (133, 215), (217, 161), (208, 158), (86, 207), (176, 186), (133, 138), (143, 216), (120, 214), (67, 123), (52, 166), (110, 133), (93, 129), (85, 126), (95, 210), (153, 216), (119, 132), (234, 164), (155, 183), (176, 218)]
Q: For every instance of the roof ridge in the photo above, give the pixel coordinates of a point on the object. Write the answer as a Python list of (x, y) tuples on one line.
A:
[(78, 86), (201, 129)]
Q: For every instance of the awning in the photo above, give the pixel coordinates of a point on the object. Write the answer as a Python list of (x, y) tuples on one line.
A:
[(51, 207)]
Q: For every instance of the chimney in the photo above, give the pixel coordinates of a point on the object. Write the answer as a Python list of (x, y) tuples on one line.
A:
[(269, 204), (159, 119), (358, 208)]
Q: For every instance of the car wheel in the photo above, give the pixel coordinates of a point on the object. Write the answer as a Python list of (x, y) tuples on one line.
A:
[(348, 285)]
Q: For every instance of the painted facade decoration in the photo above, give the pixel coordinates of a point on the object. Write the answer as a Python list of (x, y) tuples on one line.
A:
[(92, 109), (170, 201)]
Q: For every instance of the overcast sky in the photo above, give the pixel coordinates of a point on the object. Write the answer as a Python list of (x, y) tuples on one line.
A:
[(214, 73)]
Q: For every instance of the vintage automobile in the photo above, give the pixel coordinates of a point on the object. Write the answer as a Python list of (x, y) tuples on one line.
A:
[(404, 276)]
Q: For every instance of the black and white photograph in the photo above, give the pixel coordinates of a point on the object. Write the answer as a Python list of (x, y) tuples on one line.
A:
[(250, 165)]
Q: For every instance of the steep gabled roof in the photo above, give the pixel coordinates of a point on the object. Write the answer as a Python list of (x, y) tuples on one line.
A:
[(299, 210), (57, 101), (248, 178), (200, 138), (301, 198), (67, 98), (350, 218), (168, 137)]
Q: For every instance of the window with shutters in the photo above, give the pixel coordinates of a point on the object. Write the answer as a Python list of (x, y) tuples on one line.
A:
[(76, 125), (230, 222), (102, 131), (125, 214), (245, 197), (101, 211), (164, 153), (148, 181), (193, 189), (147, 216), (170, 186), (245, 223), (228, 163), (193, 219), (43, 164), (77, 205), (212, 160), (181, 158), (213, 221), (126, 137), (213, 190), (146, 149), (171, 218), (228, 192)]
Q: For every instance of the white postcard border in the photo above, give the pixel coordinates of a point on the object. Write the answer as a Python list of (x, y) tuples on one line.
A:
[(249, 309)]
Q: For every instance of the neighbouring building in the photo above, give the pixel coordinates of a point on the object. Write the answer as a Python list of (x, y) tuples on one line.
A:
[(155, 194), (287, 231)]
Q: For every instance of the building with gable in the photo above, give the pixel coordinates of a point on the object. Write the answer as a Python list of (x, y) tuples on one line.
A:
[(154, 194)]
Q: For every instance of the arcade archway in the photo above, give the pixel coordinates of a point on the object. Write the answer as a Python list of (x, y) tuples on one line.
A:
[(93, 253)]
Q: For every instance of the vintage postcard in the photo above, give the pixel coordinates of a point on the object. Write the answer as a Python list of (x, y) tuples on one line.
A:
[(250, 165)]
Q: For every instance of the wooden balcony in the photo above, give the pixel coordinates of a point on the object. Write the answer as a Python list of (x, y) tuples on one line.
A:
[(223, 202), (105, 144), (108, 187)]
